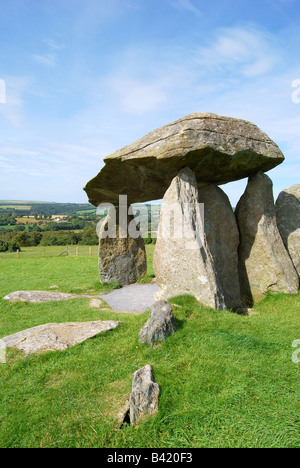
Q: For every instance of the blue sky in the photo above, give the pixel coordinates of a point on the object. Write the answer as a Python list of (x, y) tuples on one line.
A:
[(84, 78)]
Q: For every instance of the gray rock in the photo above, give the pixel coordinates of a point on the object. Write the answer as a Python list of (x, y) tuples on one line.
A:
[(41, 296), (96, 303), (2, 352), (121, 259), (160, 325), (264, 263), (288, 222), (124, 414), (182, 260), (143, 399), (222, 236), (135, 298), (56, 336), (218, 149)]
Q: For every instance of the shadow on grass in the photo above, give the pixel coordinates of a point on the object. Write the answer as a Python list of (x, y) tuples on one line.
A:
[(180, 323), (96, 288)]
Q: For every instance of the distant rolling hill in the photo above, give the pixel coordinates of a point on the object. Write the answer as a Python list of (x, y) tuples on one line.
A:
[(47, 208)]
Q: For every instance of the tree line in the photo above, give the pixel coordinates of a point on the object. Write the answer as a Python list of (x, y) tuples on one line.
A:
[(47, 209), (14, 240)]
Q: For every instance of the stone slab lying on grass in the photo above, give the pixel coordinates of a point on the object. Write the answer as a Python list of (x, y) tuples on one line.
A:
[(56, 336), (41, 296), (135, 298)]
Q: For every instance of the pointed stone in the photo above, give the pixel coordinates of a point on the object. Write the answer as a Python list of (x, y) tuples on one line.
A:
[(288, 222), (223, 240), (264, 263), (143, 399), (160, 325), (182, 261)]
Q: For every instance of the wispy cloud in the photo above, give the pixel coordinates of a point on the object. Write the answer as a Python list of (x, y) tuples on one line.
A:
[(185, 5), (54, 45), (48, 60), (13, 109), (133, 5), (129, 72), (49, 57), (247, 50), (57, 164), (139, 97), (281, 5)]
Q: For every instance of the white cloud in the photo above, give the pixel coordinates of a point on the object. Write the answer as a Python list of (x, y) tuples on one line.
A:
[(133, 5), (247, 50), (281, 5), (11, 151), (234, 72), (138, 97), (54, 45), (63, 167), (47, 59), (185, 5), (13, 109)]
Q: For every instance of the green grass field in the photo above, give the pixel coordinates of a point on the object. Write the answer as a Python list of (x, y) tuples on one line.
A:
[(226, 380), (22, 202), (50, 251), (16, 207), (9, 228)]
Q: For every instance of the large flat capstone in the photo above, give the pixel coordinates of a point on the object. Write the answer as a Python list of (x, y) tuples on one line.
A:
[(218, 149)]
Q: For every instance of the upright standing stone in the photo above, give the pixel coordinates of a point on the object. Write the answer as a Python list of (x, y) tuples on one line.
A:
[(288, 222), (122, 258), (223, 240), (182, 261), (264, 263)]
